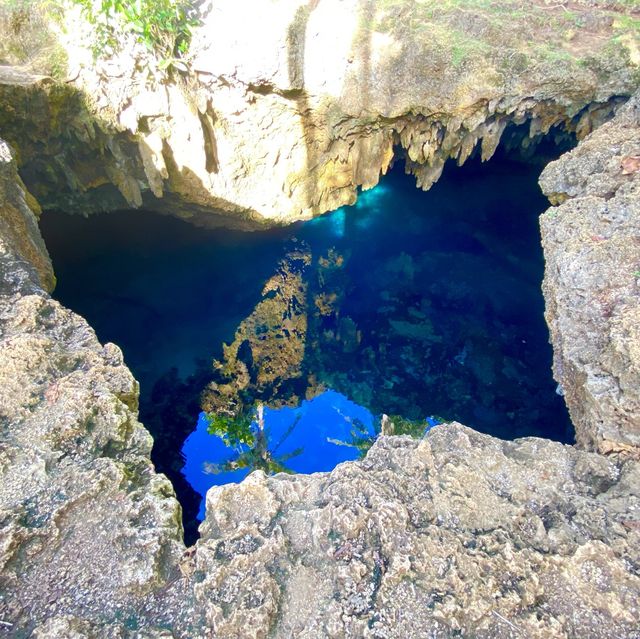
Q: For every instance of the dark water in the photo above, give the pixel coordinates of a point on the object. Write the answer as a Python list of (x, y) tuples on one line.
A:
[(435, 310)]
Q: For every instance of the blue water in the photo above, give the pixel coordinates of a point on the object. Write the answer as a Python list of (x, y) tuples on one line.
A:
[(321, 428), (437, 310)]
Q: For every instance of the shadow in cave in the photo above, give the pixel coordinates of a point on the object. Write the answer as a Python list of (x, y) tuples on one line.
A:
[(169, 294), (169, 412)]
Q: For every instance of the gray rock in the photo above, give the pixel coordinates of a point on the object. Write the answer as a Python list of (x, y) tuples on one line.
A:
[(87, 527), (592, 281), (459, 534)]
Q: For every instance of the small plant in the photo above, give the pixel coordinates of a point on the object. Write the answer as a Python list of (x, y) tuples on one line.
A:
[(163, 26), (360, 437)]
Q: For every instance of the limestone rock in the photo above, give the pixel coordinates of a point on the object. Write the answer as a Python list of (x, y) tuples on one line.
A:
[(592, 282), (20, 237), (459, 534), (87, 527), (283, 123)]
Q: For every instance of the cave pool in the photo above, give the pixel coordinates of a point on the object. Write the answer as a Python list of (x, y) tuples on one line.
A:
[(435, 312)]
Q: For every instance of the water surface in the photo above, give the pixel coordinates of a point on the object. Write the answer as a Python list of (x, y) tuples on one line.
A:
[(415, 304)]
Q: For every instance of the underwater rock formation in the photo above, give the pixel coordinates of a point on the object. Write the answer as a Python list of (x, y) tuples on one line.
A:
[(273, 125), (592, 282)]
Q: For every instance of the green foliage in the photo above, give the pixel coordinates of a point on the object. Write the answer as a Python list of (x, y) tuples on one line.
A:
[(250, 443), (414, 428), (252, 447), (362, 439), (164, 26), (253, 459), (234, 431)]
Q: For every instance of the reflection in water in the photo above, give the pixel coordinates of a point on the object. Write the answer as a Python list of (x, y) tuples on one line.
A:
[(314, 437), (408, 303)]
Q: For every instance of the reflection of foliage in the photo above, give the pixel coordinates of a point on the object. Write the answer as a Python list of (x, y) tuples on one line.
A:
[(412, 427), (362, 438), (232, 430), (247, 436), (265, 361)]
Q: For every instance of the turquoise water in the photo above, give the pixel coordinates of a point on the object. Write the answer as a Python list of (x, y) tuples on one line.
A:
[(416, 304)]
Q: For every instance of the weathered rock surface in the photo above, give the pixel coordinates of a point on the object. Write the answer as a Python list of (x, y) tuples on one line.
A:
[(86, 526), (592, 281), (282, 123), (460, 534), (20, 239)]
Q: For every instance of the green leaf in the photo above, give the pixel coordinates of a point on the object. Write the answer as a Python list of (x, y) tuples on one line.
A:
[(164, 26)]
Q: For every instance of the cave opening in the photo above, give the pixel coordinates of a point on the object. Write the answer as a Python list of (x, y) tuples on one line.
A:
[(422, 306)]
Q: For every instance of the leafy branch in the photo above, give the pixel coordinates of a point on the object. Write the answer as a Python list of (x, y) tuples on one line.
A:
[(247, 436), (163, 26)]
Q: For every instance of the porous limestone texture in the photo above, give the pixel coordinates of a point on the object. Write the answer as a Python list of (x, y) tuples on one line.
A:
[(86, 526), (20, 237), (289, 106), (459, 534), (592, 281)]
